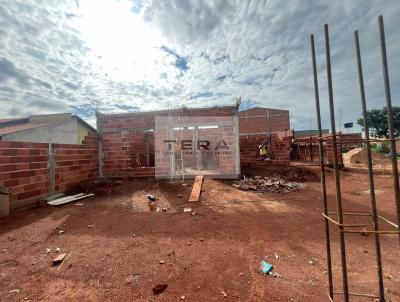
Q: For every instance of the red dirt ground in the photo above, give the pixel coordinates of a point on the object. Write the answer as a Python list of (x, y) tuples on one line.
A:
[(204, 255)]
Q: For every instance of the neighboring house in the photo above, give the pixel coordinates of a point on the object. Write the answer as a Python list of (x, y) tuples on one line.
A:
[(63, 128)]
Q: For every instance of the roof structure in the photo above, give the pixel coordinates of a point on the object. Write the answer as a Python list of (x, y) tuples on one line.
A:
[(21, 127), (11, 125)]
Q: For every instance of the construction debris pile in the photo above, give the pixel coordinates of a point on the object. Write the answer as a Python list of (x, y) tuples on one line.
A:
[(267, 185)]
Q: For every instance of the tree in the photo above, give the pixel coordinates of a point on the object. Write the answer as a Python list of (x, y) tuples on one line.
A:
[(377, 121)]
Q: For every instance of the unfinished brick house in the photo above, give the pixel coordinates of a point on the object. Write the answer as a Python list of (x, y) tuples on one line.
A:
[(127, 141), (126, 146)]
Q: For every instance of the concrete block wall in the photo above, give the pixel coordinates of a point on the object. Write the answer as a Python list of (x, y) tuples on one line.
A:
[(24, 168)]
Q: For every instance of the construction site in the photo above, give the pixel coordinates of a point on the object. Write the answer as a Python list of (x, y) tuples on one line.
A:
[(200, 204)]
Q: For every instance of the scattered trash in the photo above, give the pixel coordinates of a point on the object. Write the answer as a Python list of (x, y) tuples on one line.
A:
[(57, 250), (152, 198), (188, 243), (180, 195), (60, 232), (90, 226), (198, 214), (152, 202), (276, 256), (187, 209), (311, 262), (159, 288), (60, 258), (265, 267), (241, 274), (267, 185), (4, 251), (63, 261), (14, 290), (79, 204), (275, 274), (224, 294), (183, 297), (161, 262), (172, 253), (48, 251)]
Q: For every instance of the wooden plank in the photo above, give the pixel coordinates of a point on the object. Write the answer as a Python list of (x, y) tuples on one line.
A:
[(196, 191), (70, 199), (58, 200), (60, 258)]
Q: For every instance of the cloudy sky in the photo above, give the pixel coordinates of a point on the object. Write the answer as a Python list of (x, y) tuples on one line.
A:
[(118, 56)]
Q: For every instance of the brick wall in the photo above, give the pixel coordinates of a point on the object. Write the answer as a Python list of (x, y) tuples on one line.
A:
[(263, 120), (279, 150), (76, 163), (24, 168), (128, 140)]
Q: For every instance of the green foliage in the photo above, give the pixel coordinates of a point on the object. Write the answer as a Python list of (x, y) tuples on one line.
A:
[(377, 121)]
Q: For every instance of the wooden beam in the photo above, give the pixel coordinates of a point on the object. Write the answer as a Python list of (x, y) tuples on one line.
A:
[(196, 191)]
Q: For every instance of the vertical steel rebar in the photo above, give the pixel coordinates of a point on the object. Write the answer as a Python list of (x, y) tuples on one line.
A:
[(336, 169), (322, 165), (370, 170), (395, 171)]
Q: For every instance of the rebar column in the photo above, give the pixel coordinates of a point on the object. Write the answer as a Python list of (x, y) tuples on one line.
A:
[(336, 169), (395, 171), (370, 170), (322, 166)]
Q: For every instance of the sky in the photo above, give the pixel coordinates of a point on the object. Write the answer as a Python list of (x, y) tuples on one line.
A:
[(114, 56)]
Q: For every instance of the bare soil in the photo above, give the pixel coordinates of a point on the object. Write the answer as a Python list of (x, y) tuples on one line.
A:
[(213, 255)]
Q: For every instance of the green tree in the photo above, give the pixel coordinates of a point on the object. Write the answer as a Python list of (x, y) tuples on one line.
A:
[(377, 121)]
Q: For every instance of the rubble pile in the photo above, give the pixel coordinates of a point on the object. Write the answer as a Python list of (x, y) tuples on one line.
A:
[(267, 185)]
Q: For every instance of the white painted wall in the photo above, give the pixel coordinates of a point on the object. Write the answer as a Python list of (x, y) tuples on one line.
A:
[(62, 133)]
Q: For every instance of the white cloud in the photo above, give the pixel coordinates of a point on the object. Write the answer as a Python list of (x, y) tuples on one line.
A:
[(157, 54)]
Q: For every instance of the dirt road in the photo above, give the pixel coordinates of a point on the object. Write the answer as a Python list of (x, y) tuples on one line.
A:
[(211, 256)]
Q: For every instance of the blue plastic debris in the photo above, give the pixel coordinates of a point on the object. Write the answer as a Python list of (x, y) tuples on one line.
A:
[(265, 267)]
